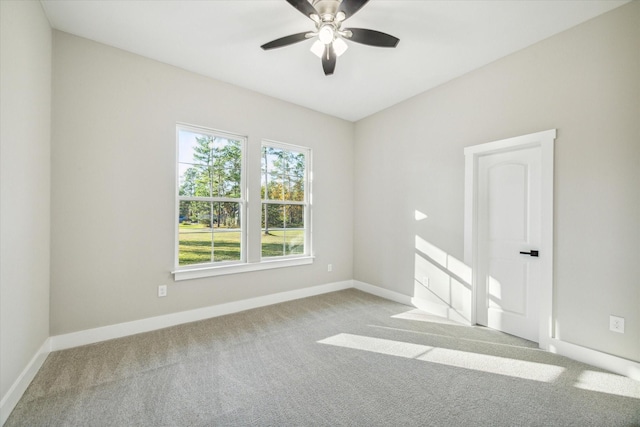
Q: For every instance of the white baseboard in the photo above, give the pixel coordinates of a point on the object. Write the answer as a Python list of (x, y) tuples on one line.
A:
[(422, 304), (17, 389), (440, 310), (382, 292), (615, 364), (90, 336)]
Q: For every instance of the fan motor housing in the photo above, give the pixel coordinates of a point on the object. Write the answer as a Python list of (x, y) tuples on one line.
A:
[(327, 9)]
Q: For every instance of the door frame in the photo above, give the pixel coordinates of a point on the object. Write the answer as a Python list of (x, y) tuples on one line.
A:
[(544, 140)]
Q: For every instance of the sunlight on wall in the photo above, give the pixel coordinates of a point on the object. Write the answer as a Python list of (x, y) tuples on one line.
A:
[(420, 215), (444, 356), (442, 279), (495, 293)]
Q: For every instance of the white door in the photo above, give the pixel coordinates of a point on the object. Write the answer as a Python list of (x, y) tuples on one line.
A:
[(509, 223)]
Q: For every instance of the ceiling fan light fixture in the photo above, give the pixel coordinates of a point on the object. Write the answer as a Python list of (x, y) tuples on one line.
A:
[(339, 46), (317, 48), (328, 16), (326, 34)]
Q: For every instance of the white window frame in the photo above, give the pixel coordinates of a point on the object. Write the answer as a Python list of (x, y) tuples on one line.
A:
[(306, 203), (242, 201), (247, 208)]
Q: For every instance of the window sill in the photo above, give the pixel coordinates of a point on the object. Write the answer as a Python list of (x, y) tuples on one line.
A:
[(197, 273)]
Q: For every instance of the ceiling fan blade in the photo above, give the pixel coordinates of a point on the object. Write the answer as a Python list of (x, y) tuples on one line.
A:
[(349, 7), (304, 7), (285, 41), (329, 60), (372, 37)]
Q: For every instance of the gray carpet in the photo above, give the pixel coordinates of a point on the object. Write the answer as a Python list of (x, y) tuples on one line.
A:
[(341, 359)]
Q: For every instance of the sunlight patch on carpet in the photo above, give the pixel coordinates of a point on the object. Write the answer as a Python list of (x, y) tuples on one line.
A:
[(605, 382), (421, 316), (444, 356)]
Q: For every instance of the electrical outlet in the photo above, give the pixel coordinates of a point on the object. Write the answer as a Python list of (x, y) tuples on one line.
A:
[(162, 290), (329, 267), (616, 324)]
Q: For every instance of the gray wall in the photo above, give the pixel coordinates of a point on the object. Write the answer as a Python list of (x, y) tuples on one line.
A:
[(586, 83), (113, 174), (25, 118)]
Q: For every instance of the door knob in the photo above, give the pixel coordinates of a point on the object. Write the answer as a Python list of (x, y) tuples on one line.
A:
[(532, 253)]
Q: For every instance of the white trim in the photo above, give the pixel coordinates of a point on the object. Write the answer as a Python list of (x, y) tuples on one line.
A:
[(90, 336), (308, 189), (440, 310), (17, 389), (532, 139), (287, 203), (265, 264), (419, 303), (616, 364), (285, 145), (382, 292), (544, 140), (242, 200)]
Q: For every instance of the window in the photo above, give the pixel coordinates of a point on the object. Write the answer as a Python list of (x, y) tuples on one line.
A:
[(222, 227), (211, 200), (285, 207)]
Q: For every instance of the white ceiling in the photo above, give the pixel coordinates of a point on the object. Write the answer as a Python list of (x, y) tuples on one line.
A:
[(439, 40)]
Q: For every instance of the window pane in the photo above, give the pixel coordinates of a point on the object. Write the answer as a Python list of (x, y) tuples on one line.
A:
[(193, 213), (296, 188), (226, 246), (282, 174), (194, 233), (272, 216), (272, 230), (294, 242), (284, 231), (209, 166), (273, 244), (294, 216), (187, 140), (200, 224), (226, 215)]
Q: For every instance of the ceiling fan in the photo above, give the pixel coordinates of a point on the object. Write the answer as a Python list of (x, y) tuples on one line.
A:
[(328, 16)]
